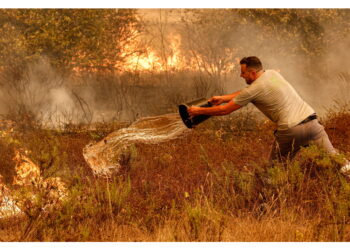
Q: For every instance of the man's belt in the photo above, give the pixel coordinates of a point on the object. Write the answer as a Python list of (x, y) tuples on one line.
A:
[(309, 118)]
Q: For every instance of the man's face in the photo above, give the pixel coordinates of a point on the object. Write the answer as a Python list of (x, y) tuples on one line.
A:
[(248, 74)]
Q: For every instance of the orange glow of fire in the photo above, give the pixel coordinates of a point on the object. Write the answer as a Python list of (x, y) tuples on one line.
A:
[(151, 60), (170, 58)]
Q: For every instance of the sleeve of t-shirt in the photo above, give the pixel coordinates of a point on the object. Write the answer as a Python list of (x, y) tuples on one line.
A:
[(247, 95)]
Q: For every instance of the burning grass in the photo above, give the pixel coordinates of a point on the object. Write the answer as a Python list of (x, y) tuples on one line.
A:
[(213, 184)]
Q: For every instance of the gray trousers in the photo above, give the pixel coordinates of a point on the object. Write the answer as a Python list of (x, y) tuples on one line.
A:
[(288, 142)]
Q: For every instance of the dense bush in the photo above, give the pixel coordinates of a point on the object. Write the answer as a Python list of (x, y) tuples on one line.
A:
[(214, 184)]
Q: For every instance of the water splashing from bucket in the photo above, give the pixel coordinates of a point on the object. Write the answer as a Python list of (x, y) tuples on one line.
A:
[(104, 156)]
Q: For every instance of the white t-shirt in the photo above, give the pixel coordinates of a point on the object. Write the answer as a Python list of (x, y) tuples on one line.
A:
[(277, 99)]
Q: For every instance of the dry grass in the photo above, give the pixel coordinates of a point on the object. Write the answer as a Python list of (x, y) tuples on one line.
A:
[(212, 185)]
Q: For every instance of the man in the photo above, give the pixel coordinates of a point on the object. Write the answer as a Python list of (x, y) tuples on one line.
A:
[(297, 123)]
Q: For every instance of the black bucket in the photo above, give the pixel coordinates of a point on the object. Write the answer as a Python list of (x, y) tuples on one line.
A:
[(190, 123)]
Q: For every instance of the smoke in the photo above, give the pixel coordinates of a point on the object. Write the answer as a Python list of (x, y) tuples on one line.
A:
[(39, 91), (57, 99), (307, 47), (313, 59), (59, 108)]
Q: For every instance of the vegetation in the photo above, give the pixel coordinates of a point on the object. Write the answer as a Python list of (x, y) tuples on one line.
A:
[(212, 185), (84, 38), (215, 183)]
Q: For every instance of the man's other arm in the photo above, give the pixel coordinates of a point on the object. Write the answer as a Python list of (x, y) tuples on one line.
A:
[(216, 110), (217, 100)]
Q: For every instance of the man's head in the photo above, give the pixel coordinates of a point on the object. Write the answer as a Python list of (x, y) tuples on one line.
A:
[(251, 68)]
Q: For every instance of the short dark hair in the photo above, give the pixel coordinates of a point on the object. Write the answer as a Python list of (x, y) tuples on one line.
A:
[(252, 62)]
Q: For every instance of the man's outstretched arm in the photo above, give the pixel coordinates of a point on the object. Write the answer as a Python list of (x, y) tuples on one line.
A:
[(216, 110), (217, 100)]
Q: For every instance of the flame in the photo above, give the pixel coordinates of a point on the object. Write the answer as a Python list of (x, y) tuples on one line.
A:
[(173, 58), (170, 57), (176, 59), (143, 62), (27, 172)]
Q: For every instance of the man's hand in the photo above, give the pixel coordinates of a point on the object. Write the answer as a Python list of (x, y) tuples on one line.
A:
[(217, 100), (193, 111)]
